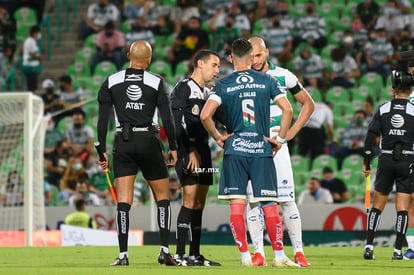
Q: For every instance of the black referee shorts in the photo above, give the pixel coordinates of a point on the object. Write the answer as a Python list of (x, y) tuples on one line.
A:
[(390, 171), (203, 176), (143, 151)]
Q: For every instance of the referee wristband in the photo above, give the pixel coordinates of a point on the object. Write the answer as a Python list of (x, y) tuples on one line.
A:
[(281, 140)]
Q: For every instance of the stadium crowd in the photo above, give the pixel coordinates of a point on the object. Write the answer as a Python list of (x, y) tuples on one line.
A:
[(343, 52)]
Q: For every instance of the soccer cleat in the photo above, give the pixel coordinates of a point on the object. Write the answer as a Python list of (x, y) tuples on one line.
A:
[(368, 254), (200, 260), (397, 256), (246, 263), (409, 254), (183, 260), (166, 258), (286, 262), (300, 259), (258, 260), (123, 261)]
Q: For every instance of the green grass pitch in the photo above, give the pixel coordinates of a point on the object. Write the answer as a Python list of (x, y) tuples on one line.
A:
[(143, 260)]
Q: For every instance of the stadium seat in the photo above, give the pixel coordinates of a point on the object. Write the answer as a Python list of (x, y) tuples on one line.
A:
[(300, 163), (324, 160), (386, 94), (79, 69), (182, 69), (353, 162), (162, 67), (342, 108), (371, 79), (90, 41), (125, 26), (361, 92), (351, 177), (105, 68), (337, 94), (25, 18), (84, 54), (315, 93)]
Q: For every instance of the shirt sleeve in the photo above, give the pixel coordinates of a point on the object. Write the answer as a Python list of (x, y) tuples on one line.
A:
[(105, 106), (164, 107)]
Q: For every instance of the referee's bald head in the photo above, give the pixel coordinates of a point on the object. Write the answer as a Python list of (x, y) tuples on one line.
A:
[(140, 52)]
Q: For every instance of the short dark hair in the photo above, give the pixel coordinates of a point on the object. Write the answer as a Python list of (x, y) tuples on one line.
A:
[(34, 29), (65, 79), (79, 111), (327, 169), (203, 55), (79, 204), (241, 47)]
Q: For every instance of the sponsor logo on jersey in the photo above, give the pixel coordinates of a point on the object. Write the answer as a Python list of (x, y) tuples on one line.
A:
[(397, 121), (247, 146), (268, 192), (134, 93), (133, 77)]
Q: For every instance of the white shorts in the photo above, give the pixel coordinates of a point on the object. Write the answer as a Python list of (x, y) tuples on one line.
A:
[(284, 175)]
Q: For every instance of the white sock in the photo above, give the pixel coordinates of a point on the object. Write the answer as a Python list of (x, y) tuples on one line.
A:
[(293, 223), (245, 256), (255, 225), (410, 242), (123, 254), (165, 249), (279, 254)]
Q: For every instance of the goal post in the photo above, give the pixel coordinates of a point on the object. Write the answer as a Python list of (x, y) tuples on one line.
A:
[(22, 134)]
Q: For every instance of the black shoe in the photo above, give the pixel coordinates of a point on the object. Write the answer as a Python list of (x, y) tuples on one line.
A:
[(123, 261), (368, 254), (201, 261), (397, 256), (166, 258), (183, 260)]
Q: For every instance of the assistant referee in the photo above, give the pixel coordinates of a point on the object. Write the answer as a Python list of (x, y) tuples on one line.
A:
[(134, 94), (393, 122)]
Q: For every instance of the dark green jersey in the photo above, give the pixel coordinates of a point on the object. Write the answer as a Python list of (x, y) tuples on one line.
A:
[(244, 96)]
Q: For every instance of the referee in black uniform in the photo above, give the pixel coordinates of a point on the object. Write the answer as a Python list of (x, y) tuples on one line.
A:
[(194, 165), (393, 122), (134, 94)]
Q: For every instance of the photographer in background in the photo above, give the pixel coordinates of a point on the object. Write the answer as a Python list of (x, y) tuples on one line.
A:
[(393, 123)]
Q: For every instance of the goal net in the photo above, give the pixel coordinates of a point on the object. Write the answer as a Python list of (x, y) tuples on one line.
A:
[(22, 132)]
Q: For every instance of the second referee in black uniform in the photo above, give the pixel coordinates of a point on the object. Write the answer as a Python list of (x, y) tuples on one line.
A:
[(134, 94), (393, 122)]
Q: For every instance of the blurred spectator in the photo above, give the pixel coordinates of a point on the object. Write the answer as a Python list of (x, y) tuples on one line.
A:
[(175, 190), (344, 69), (56, 162), (315, 194), (52, 136), (408, 17), (212, 6), (311, 28), (368, 109), (279, 41), (226, 67), (80, 217), (391, 20), (336, 186), (141, 193), (360, 32), (404, 44), (7, 40), (191, 39), (368, 11), (98, 14), (312, 138), (224, 33), (52, 101), (241, 21), (110, 44), (47, 190), (74, 173), (69, 96), (310, 67), (80, 135), (82, 192), (31, 59), (183, 11), (138, 32), (353, 137), (378, 54), (133, 9), (156, 17), (37, 5), (99, 185), (12, 193)]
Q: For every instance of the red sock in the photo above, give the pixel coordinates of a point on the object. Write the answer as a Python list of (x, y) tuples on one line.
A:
[(274, 225), (238, 225)]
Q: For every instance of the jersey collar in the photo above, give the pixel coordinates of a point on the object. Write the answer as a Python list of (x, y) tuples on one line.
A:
[(271, 65)]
